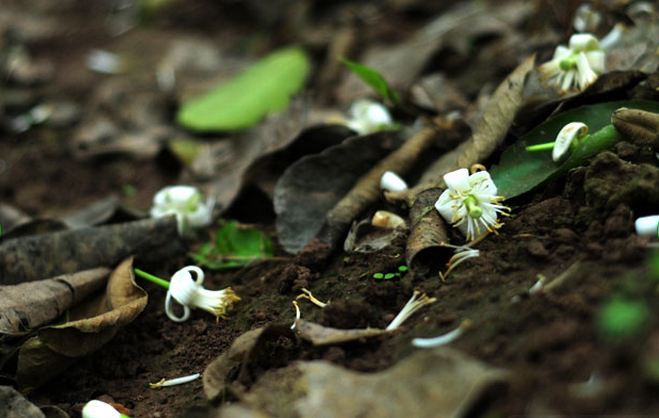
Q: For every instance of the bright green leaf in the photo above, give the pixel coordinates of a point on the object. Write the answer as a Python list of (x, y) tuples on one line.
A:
[(621, 319), (243, 101), (233, 246), (373, 79), (519, 170), (378, 276)]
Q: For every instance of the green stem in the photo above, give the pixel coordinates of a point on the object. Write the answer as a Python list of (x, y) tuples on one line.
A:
[(540, 147), (150, 277)]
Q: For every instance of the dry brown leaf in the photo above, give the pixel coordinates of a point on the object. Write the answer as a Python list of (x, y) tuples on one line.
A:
[(320, 335), (325, 177), (27, 306), (55, 348), (489, 134), (252, 352), (441, 382), (428, 233), (367, 190)]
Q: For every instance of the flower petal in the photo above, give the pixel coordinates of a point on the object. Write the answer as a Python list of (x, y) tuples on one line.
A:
[(565, 137), (458, 180), (481, 183), (584, 42), (596, 59)]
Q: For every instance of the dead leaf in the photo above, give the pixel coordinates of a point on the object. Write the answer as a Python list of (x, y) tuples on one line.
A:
[(489, 134), (225, 165), (367, 189), (249, 355), (14, 405), (320, 335), (27, 306), (91, 326), (11, 216), (366, 238), (424, 250), (402, 63), (35, 257), (441, 382), (313, 185)]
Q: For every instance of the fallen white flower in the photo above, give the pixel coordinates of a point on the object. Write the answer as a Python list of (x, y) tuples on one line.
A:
[(368, 116), (647, 226), (186, 202), (470, 202), (575, 67), (392, 182), (568, 137), (586, 19), (190, 293), (98, 409)]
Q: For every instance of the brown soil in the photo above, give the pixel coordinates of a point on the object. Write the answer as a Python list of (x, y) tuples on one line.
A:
[(548, 340)]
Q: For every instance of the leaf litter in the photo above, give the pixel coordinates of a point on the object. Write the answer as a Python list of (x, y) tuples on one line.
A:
[(578, 214)]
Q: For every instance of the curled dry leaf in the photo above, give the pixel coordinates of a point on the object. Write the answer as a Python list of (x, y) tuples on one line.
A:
[(314, 184), (252, 352), (428, 233), (367, 189), (91, 325), (35, 257), (488, 135), (439, 383), (27, 306), (363, 237)]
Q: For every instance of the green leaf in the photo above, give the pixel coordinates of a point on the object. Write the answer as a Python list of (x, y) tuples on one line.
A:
[(373, 79), (243, 101), (519, 170), (621, 319), (233, 246), (378, 276)]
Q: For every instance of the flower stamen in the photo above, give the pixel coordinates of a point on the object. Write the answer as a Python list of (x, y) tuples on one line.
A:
[(416, 302)]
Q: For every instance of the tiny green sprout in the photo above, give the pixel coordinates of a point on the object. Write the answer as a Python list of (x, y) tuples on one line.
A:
[(378, 276), (403, 269), (389, 276), (621, 319)]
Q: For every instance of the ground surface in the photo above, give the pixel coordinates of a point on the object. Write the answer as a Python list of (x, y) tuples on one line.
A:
[(549, 341)]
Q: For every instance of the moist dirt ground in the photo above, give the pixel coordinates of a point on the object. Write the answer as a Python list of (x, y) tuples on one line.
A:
[(582, 243)]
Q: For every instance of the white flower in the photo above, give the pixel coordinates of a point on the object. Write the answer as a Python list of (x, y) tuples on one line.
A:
[(470, 202), (98, 409), (367, 116), (647, 226), (575, 67), (392, 182), (586, 19), (190, 293), (565, 140), (186, 202)]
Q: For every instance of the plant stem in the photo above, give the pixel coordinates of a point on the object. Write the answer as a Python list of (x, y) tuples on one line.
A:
[(540, 147), (150, 277)]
